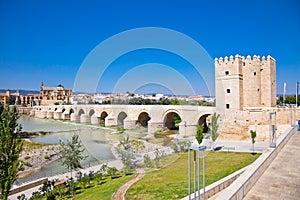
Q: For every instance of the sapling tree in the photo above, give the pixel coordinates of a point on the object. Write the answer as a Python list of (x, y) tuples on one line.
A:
[(214, 127), (199, 135), (126, 154), (72, 153), (253, 136)]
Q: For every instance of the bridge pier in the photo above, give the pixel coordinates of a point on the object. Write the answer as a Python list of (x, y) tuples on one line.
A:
[(86, 119), (50, 114), (42, 114), (129, 123), (75, 118), (111, 120), (187, 130), (65, 116), (155, 126), (32, 113), (95, 119), (57, 115)]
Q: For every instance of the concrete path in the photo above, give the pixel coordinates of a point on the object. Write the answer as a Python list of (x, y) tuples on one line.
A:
[(120, 193), (281, 180), (238, 146)]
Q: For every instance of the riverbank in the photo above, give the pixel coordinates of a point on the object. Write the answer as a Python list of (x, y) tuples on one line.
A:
[(36, 155)]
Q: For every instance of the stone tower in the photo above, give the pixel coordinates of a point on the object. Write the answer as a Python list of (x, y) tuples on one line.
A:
[(243, 83)]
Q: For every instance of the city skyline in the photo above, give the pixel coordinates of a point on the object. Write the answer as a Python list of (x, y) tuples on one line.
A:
[(49, 41)]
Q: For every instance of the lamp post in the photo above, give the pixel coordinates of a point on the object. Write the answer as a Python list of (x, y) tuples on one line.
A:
[(297, 86), (293, 116), (184, 123), (272, 130), (196, 148)]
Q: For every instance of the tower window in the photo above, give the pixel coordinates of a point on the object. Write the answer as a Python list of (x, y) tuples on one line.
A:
[(227, 106), (226, 72), (228, 90), (254, 73)]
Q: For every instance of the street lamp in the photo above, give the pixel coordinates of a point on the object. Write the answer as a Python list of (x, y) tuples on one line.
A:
[(184, 123), (196, 148), (272, 130)]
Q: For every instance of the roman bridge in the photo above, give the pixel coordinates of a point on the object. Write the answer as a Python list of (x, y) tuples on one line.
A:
[(154, 117)]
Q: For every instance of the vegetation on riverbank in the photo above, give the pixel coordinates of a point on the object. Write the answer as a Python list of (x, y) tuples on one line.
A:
[(35, 155), (26, 134)]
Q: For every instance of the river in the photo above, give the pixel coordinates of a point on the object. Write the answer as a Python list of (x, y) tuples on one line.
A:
[(97, 148)]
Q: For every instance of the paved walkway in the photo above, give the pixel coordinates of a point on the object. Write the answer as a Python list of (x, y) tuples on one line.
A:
[(282, 178), (119, 195)]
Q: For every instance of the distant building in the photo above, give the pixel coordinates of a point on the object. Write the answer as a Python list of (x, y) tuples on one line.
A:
[(10, 98), (48, 96), (196, 98), (31, 100)]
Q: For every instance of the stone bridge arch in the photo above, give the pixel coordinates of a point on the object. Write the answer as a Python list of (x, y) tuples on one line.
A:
[(81, 111), (66, 113), (169, 119), (103, 115), (91, 112), (202, 121), (121, 117), (143, 118)]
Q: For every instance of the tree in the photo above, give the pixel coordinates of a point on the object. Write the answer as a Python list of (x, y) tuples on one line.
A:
[(290, 100), (199, 135), (214, 127), (253, 136), (125, 142), (126, 154), (127, 158), (147, 161), (71, 153), (10, 148), (177, 119), (158, 156)]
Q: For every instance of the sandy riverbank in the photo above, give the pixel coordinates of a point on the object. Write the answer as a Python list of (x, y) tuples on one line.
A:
[(36, 155)]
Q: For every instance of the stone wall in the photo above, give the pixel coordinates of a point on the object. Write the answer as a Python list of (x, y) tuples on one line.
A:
[(237, 124)]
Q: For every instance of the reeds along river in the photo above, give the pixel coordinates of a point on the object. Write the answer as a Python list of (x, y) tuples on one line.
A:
[(92, 137)]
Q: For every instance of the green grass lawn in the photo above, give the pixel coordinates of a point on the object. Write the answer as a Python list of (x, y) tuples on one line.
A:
[(170, 182), (104, 191)]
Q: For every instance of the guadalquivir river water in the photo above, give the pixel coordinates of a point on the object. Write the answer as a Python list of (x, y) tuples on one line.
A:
[(92, 137)]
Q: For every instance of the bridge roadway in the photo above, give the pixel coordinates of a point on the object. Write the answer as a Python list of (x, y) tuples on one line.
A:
[(281, 180), (155, 117)]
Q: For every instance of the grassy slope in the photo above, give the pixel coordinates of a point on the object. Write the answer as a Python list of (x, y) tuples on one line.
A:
[(104, 191), (171, 181)]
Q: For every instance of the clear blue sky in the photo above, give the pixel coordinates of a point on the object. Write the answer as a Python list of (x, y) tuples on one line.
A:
[(48, 40)]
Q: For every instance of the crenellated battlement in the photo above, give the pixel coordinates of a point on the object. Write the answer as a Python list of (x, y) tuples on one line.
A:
[(247, 60)]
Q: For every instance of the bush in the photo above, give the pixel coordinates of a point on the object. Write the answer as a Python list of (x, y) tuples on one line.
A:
[(46, 157), (27, 164), (27, 157)]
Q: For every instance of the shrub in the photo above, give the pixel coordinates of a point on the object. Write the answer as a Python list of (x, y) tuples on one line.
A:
[(27, 157), (27, 164)]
